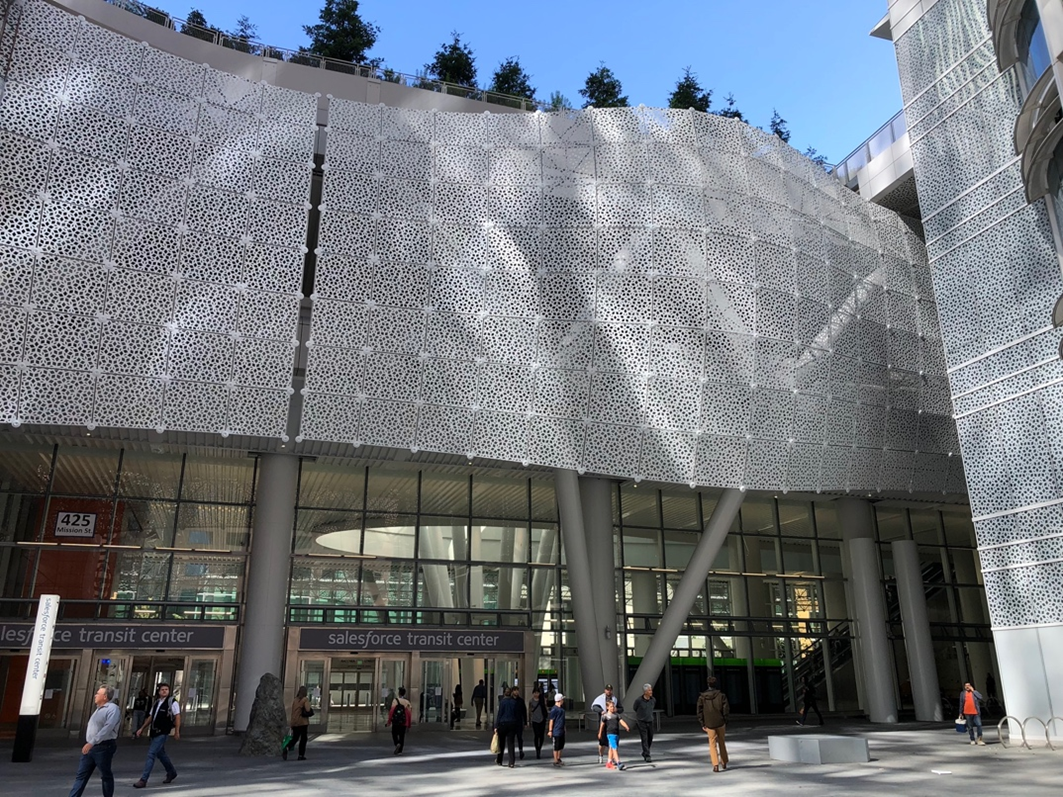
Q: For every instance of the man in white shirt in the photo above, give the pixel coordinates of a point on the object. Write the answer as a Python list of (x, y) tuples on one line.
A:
[(165, 715), (100, 743)]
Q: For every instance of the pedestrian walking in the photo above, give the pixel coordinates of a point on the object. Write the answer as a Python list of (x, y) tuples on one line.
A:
[(612, 722), (164, 718), (538, 715), (971, 711), (556, 728), (299, 723), (100, 744), (643, 707), (456, 706), (810, 701), (479, 695), (400, 717), (507, 723), (599, 706), (140, 710), (713, 711), (522, 720)]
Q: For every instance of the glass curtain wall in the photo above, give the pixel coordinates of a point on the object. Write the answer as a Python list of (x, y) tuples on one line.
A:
[(395, 544), (124, 534)]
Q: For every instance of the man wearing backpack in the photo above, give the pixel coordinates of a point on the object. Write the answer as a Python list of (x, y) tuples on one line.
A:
[(165, 716), (400, 718)]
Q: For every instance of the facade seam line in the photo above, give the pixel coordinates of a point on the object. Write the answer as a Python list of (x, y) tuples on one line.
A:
[(957, 65), (1026, 541), (1017, 510), (997, 403), (999, 349), (973, 216), (973, 188), (1005, 378)]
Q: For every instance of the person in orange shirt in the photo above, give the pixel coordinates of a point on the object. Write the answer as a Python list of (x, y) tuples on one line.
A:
[(971, 710)]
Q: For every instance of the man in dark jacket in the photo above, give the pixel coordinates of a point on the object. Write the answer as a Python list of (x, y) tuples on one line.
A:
[(507, 723), (479, 695), (713, 711), (643, 706)]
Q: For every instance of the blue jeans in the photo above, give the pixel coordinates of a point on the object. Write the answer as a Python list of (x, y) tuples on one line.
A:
[(158, 750), (99, 756), (973, 721)]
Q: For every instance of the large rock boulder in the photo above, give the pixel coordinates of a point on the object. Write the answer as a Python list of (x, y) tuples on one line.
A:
[(269, 722)]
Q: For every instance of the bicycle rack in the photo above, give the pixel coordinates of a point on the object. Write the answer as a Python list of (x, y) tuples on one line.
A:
[(1000, 735), (1044, 725)]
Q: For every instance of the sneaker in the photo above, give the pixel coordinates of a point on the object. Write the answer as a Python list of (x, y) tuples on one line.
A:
[(397, 748), (600, 757), (621, 766), (973, 741), (649, 759), (301, 758), (173, 776), (521, 755), (980, 742), (557, 763), (140, 784), (610, 765)]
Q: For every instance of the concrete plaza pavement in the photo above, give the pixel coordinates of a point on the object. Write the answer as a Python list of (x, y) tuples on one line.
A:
[(441, 763)]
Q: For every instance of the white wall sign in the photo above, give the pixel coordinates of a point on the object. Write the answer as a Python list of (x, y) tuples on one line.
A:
[(40, 652), (75, 524)]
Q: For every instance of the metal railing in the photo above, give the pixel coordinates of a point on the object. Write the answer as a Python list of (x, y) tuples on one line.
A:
[(306, 58), (881, 140)]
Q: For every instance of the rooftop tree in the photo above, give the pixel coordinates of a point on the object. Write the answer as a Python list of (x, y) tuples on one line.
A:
[(603, 90), (510, 78), (777, 125), (454, 63), (341, 32), (730, 111), (689, 93)]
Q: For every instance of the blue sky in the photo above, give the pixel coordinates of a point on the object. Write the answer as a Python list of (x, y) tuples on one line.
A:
[(812, 60)]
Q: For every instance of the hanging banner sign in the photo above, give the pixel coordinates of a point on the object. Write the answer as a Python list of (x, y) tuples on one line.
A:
[(40, 652), (100, 635), (75, 524)]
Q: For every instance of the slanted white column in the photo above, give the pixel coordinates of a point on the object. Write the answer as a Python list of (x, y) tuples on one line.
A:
[(262, 637), (570, 510), (596, 497), (869, 608), (693, 581), (922, 668)]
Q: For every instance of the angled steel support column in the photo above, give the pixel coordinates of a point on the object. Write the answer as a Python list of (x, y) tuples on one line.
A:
[(596, 497), (574, 540), (693, 580), (922, 668), (869, 608), (262, 638)]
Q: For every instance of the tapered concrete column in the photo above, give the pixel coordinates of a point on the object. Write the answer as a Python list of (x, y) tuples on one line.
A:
[(570, 510), (692, 582), (596, 497), (922, 668), (869, 608), (262, 638)]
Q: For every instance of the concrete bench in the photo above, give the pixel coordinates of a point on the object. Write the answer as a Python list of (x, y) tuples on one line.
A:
[(819, 748)]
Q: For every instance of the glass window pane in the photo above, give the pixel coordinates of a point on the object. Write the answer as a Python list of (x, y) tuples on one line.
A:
[(150, 475), (443, 538), (758, 516), (795, 519), (25, 468), (443, 585), (331, 486), (140, 575), (223, 479), (678, 548), (680, 509), (392, 490), (20, 516), (827, 522), (17, 566), (206, 579), (830, 559), (499, 543), (215, 527), (390, 536), (926, 527), (445, 493), (546, 544), (700, 607), (325, 582), (959, 530), (638, 506), (892, 523), (387, 582), (797, 556), (328, 531), (642, 548), (70, 519), (72, 574), (543, 500), (730, 555), (503, 588), (722, 596), (85, 471), (495, 497), (643, 592), (148, 524), (543, 589), (760, 555)]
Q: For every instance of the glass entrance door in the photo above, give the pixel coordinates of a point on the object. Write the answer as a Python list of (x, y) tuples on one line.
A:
[(433, 710), (351, 701), (392, 678)]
